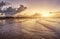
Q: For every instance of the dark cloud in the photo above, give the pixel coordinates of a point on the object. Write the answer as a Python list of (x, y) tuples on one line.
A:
[(10, 10)]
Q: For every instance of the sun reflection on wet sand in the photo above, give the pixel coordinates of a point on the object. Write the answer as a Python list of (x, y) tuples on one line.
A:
[(39, 28)]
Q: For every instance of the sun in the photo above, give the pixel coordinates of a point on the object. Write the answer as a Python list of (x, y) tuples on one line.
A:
[(45, 14)]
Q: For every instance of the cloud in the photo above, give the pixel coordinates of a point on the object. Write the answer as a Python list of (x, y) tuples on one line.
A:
[(11, 11)]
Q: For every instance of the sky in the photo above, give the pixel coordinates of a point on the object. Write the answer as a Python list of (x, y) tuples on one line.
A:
[(37, 6)]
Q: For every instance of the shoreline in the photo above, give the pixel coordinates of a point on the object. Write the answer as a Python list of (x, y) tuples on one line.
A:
[(25, 17)]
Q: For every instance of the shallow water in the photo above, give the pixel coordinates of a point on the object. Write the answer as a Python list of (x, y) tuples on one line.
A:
[(38, 28)]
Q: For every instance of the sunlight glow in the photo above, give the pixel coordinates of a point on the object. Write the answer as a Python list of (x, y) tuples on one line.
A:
[(46, 14)]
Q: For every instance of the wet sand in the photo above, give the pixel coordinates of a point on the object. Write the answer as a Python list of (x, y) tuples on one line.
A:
[(39, 28)]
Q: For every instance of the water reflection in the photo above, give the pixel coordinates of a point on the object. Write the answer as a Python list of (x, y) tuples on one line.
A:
[(2, 22), (30, 28)]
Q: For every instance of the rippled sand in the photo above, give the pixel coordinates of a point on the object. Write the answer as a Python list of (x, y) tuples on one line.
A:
[(39, 28)]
